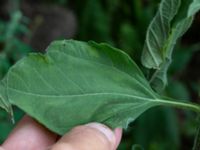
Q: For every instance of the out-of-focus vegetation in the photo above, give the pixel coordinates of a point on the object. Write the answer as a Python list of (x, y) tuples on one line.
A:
[(30, 25)]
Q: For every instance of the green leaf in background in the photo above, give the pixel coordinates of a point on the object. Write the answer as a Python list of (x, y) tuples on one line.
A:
[(129, 40), (158, 33), (4, 65), (77, 82), (172, 20), (95, 26), (150, 130)]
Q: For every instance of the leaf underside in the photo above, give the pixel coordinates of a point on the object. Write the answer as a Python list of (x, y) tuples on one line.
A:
[(172, 20), (76, 82)]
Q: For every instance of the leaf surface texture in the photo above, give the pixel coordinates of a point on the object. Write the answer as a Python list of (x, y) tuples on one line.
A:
[(77, 82), (171, 21)]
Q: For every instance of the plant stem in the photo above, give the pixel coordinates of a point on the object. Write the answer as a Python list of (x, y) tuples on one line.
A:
[(183, 105)]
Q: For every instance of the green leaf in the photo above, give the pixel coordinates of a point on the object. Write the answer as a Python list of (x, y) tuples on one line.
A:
[(158, 33), (172, 20), (76, 83)]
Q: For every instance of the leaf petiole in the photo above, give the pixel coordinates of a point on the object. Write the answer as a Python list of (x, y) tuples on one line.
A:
[(182, 105)]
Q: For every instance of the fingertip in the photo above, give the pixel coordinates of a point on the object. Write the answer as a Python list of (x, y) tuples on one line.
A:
[(29, 131), (93, 136), (118, 136), (109, 134)]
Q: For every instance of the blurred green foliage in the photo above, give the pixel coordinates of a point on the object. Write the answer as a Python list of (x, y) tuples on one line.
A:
[(122, 23), (11, 49)]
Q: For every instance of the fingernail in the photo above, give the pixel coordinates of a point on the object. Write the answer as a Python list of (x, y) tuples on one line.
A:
[(103, 129)]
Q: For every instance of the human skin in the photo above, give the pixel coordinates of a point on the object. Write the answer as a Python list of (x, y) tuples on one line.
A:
[(30, 135)]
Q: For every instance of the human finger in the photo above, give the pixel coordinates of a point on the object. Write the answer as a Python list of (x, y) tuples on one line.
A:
[(29, 135), (93, 136)]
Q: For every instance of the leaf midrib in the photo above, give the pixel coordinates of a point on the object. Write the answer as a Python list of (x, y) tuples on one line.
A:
[(85, 94)]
